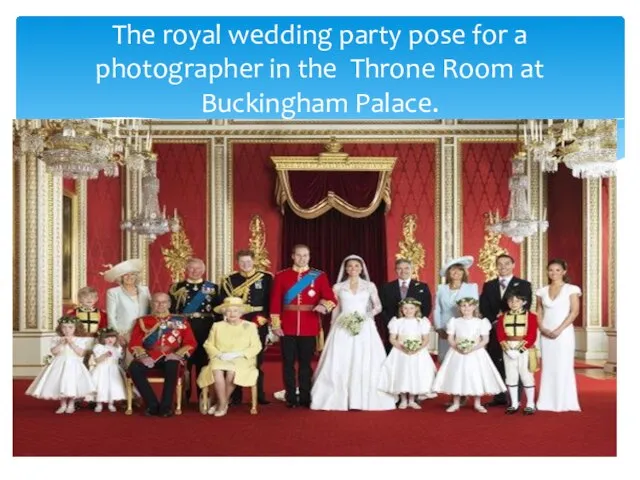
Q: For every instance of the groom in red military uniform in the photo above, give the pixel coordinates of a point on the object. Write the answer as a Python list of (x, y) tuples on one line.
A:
[(160, 341), (298, 295)]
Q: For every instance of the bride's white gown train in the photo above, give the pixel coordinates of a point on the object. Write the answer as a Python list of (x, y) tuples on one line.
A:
[(347, 374)]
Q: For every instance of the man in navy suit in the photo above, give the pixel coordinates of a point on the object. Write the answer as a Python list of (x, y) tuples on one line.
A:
[(493, 301), (393, 292)]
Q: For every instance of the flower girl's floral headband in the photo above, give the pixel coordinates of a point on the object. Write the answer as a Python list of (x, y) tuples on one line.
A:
[(468, 300), (67, 319), (107, 332), (409, 301)]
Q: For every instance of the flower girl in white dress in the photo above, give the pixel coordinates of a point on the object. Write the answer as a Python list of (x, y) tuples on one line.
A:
[(467, 369), (108, 377), (409, 369), (65, 378)]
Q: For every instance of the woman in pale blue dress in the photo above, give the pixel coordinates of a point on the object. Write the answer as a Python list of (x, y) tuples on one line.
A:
[(456, 286)]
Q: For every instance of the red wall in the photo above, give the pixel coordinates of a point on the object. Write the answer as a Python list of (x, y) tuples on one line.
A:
[(413, 191), (69, 185), (104, 236), (486, 168), (182, 172), (564, 202)]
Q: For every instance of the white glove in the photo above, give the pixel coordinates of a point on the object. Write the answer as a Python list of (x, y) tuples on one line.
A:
[(225, 357), (512, 354)]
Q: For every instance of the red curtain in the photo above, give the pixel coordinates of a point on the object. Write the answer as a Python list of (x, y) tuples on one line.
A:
[(356, 188), (332, 236), (564, 237)]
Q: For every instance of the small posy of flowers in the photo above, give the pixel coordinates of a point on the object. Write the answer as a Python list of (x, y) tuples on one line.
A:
[(46, 360), (412, 345), (351, 322), (465, 344)]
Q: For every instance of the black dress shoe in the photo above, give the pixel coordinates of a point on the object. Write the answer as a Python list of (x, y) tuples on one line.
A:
[(496, 403), (263, 401), (166, 414), (306, 404), (150, 412), (292, 405)]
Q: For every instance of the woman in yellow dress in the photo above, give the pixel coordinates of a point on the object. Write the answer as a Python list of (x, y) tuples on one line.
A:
[(232, 346)]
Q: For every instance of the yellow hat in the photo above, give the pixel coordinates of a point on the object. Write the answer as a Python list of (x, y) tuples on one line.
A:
[(232, 302)]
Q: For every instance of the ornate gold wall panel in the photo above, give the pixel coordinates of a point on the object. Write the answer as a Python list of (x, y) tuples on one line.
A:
[(592, 253), (613, 249), (81, 190)]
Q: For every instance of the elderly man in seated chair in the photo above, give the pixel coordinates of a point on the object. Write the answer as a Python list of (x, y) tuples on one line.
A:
[(164, 342)]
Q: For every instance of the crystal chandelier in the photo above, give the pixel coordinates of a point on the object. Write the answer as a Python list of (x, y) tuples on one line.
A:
[(541, 146), (519, 222), (80, 149), (150, 222), (594, 151), (587, 147)]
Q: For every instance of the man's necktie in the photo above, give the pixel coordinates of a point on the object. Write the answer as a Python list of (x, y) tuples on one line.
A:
[(403, 290)]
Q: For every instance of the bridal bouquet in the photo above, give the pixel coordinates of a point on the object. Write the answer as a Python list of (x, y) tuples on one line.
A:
[(352, 322), (47, 359), (412, 345), (465, 344)]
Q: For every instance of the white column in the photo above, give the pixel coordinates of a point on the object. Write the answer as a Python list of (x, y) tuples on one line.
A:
[(591, 340), (39, 271), (612, 333)]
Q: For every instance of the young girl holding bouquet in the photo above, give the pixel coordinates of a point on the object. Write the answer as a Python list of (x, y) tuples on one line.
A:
[(66, 377), (107, 375), (408, 371), (467, 369)]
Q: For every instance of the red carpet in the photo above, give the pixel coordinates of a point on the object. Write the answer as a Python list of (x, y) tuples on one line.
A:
[(278, 431)]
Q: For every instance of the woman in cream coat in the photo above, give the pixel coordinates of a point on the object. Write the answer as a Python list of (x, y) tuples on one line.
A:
[(128, 301)]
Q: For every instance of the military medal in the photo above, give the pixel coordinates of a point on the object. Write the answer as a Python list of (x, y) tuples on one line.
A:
[(312, 293)]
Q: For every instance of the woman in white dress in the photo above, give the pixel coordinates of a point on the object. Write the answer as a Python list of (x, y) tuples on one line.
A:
[(558, 306), (456, 286), (126, 302), (467, 369), (350, 365)]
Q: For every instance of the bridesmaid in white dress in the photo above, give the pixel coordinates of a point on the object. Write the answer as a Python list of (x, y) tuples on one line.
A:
[(558, 307), (350, 365), (456, 286)]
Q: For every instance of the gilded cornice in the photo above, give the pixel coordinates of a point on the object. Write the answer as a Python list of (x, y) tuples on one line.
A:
[(361, 132)]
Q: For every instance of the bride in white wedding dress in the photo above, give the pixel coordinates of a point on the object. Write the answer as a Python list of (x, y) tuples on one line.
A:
[(348, 370)]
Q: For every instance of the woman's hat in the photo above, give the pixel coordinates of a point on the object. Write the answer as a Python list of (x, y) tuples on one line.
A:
[(232, 302), (465, 262), (128, 266)]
